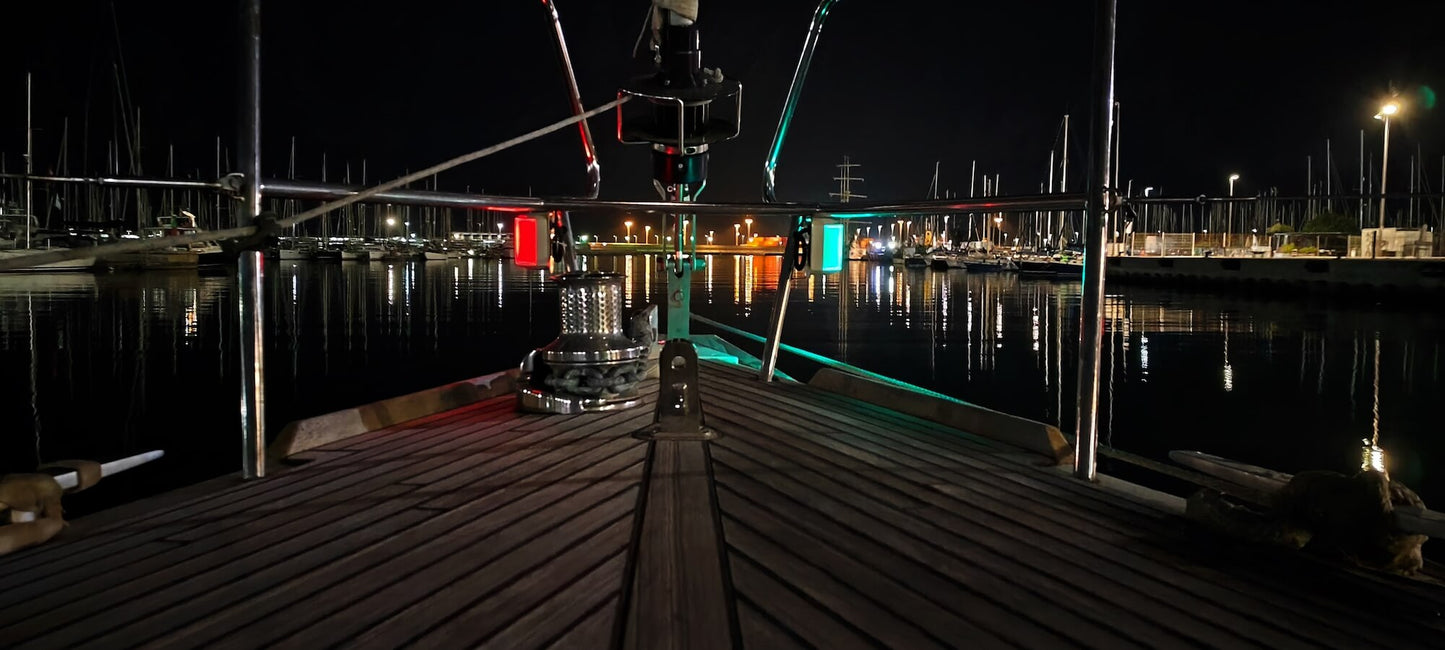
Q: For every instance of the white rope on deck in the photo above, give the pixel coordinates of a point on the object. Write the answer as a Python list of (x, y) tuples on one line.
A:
[(159, 243)]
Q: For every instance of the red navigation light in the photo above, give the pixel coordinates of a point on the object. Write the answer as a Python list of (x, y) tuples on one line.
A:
[(531, 242)]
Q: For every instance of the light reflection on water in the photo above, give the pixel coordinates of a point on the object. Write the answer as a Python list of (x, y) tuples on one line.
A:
[(104, 365)]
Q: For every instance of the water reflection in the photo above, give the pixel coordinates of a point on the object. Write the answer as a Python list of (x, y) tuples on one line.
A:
[(1273, 382), (111, 364)]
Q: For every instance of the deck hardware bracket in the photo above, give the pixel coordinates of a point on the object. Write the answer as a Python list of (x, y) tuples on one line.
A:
[(266, 235), (803, 243), (679, 400), (232, 184)]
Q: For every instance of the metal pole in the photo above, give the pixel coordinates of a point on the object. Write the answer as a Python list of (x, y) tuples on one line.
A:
[(250, 272), (1096, 224), (795, 92), (780, 306), (1384, 165), (594, 170)]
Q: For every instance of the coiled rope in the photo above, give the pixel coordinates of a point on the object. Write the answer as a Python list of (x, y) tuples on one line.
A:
[(160, 243)]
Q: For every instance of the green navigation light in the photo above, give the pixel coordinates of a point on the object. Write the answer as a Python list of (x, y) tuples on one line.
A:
[(829, 240), (833, 234)]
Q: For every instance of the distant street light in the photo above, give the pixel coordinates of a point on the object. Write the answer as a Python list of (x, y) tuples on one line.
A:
[(628, 223), (1147, 190), (749, 221), (499, 226), (1386, 111), (646, 234), (737, 233), (391, 221), (1229, 221), (998, 225)]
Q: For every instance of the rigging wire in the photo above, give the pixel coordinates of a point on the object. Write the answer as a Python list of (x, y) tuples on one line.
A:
[(158, 243)]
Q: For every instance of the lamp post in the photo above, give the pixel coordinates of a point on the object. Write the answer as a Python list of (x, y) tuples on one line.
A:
[(1147, 190), (1385, 112), (646, 234), (628, 224), (1229, 220), (749, 221), (998, 226)]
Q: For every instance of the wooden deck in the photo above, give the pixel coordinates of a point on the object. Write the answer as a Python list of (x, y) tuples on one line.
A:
[(812, 520)]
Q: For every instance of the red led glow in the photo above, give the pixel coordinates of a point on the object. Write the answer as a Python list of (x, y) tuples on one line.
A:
[(525, 241)]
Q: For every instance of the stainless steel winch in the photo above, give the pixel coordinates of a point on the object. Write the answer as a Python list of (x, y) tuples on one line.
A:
[(593, 365)]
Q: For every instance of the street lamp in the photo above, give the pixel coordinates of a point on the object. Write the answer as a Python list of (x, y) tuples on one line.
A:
[(499, 227), (1386, 111), (391, 221), (646, 234), (1147, 190), (1229, 220), (628, 223), (737, 233), (749, 221), (998, 225)]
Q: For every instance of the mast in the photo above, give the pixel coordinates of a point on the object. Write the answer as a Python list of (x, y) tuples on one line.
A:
[(64, 169), (972, 178), (324, 218), (1064, 174), (845, 182), (1049, 218), (1064, 171), (29, 162), (291, 174), (932, 219), (1118, 138), (216, 222)]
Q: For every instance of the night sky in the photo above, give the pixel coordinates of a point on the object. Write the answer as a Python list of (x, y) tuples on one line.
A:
[(1207, 88)]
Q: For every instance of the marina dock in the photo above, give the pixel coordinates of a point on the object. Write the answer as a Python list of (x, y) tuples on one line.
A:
[(812, 519)]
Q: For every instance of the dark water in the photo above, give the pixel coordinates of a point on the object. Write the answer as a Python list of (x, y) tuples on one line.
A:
[(112, 364)]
